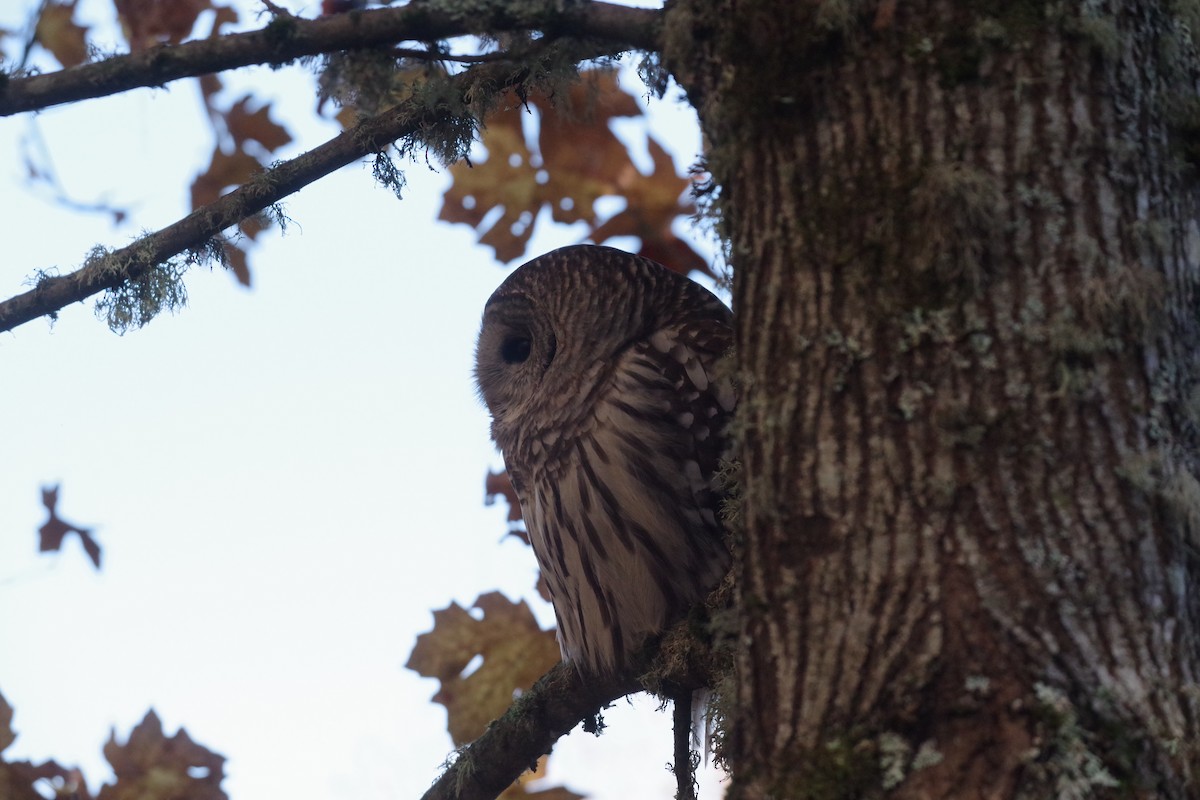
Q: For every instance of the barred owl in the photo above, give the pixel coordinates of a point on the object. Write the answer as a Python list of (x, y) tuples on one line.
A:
[(597, 368)]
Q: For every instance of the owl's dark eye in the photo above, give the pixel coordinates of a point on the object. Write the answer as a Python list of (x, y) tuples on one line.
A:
[(515, 349)]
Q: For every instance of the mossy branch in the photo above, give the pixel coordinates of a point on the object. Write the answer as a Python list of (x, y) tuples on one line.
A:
[(286, 39), (440, 120), (559, 701), (679, 662), (675, 665)]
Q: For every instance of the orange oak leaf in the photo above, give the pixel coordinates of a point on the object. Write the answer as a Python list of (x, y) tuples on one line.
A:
[(507, 179), (57, 31), (578, 159), (584, 160), (151, 764), (513, 651), (653, 203)]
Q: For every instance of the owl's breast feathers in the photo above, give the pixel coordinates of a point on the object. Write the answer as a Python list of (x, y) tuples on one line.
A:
[(621, 506)]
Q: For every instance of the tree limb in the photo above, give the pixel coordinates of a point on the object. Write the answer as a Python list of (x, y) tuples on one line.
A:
[(684, 659), (285, 39), (191, 233), (558, 702)]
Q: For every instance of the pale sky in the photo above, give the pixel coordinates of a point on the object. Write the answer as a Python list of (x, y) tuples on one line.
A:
[(286, 481)]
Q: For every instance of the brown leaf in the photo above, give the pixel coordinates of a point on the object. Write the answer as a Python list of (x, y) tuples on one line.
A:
[(224, 171), (149, 22), (578, 161), (150, 764), (583, 158), (226, 15), (57, 32), (505, 180), (519, 789), (210, 85), (251, 227), (346, 116), (17, 778), (52, 533), (653, 201), (515, 653), (498, 484), (236, 259), (7, 734), (245, 125)]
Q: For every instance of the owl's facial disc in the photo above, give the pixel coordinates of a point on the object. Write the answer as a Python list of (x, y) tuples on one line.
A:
[(516, 347)]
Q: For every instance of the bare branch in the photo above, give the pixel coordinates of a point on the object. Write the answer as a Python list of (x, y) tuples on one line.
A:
[(371, 135), (285, 39)]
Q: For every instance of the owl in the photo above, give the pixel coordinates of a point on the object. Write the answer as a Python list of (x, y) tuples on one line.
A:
[(598, 369)]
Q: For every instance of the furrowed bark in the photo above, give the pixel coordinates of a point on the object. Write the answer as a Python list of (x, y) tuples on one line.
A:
[(966, 265)]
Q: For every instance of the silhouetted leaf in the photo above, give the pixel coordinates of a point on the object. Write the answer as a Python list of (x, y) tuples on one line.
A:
[(498, 484), (52, 533), (58, 32), (17, 778), (151, 765), (257, 126), (225, 170)]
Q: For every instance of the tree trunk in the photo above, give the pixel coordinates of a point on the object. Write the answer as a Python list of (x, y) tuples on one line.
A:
[(965, 251)]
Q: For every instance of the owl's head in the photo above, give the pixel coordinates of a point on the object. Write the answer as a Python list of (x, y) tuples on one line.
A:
[(557, 324)]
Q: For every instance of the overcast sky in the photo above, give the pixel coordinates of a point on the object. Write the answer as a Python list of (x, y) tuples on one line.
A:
[(286, 481)]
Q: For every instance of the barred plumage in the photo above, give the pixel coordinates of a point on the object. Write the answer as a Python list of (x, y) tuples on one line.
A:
[(597, 367)]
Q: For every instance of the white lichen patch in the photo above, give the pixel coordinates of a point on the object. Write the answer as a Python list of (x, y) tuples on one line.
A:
[(894, 756), (1064, 761)]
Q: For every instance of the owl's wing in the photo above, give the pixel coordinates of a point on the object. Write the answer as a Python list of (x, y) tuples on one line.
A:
[(702, 394), (626, 531), (662, 424)]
